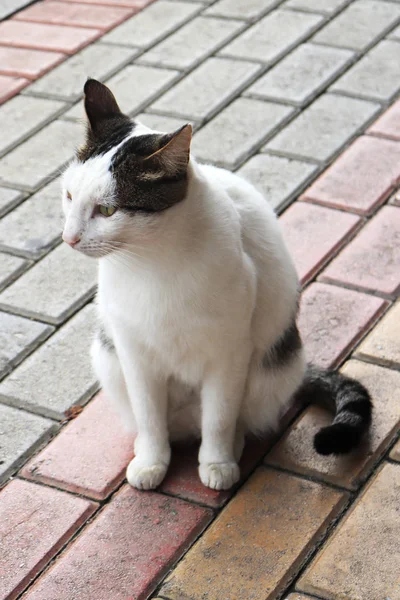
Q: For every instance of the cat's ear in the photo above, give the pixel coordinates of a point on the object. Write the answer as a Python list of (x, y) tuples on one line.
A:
[(100, 103), (173, 155)]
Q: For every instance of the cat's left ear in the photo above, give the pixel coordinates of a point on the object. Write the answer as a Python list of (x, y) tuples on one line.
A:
[(173, 155), (100, 104)]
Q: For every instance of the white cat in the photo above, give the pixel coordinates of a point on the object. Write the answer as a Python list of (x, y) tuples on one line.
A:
[(197, 300)]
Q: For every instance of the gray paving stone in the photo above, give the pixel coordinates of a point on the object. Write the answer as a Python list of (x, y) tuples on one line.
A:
[(8, 7), (9, 199), (273, 36), (376, 75), (153, 23), (18, 338), (319, 6), (232, 135), (359, 24), (10, 268), (206, 89), (395, 34), (302, 74), (241, 9), (276, 177), (58, 375), (323, 128), (22, 115), (54, 288), (35, 226), (20, 434), (161, 122), (99, 61), (192, 43), (149, 82), (41, 156)]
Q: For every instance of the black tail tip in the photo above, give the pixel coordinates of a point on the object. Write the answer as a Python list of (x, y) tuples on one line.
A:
[(339, 438)]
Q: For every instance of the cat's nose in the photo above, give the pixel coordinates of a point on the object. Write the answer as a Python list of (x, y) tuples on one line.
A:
[(71, 240)]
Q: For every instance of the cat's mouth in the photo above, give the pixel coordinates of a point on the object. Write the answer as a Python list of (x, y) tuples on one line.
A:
[(92, 250)]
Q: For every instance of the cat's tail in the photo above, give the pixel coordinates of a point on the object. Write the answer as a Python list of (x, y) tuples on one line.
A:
[(349, 400)]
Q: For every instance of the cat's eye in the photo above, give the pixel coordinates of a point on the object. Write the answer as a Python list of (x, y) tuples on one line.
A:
[(69, 196), (107, 211)]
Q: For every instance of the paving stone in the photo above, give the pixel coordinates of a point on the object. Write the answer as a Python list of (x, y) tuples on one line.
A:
[(80, 15), (153, 23), (361, 178), (347, 567), (277, 178), (207, 89), (302, 74), (273, 36), (324, 127), (375, 75), (54, 288), (10, 86), (89, 456), (192, 43), (22, 116), (34, 226), (141, 529), (238, 130), (21, 433), (8, 7), (18, 338), (371, 260), (41, 36), (395, 34), (329, 230), (27, 63), (299, 597), (9, 199), (359, 24), (98, 61), (42, 155), (319, 6), (241, 9), (35, 523), (58, 375), (383, 343), (332, 320), (388, 125), (160, 122), (395, 454), (138, 4), (258, 542), (10, 268), (295, 451), (149, 83)]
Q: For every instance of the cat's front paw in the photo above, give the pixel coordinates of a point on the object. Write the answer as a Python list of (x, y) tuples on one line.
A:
[(219, 476), (145, 477)]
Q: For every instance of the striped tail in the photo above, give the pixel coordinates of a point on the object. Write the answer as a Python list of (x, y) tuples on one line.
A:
[(350, 402)]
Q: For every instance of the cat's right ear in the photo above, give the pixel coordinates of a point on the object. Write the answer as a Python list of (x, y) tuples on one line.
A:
[(100, 103)]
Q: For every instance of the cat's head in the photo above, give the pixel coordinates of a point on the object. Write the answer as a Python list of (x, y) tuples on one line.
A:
[(123, 180)]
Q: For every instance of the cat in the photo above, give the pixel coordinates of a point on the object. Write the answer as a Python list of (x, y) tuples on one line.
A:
[(197, 300)]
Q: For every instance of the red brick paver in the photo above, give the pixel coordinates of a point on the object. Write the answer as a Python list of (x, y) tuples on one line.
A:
[(35, 522), (137, 4), (388, 125), (9, 86), (27, 63)]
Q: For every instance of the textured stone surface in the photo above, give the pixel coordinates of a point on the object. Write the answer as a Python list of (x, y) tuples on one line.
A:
[(89, 456), (27, 62), (34, 226), (383, 343), (9, 86), (8, 7), (276, 177), (237, 130), (192, 43), (98, 61), (348, 567), (58, 375), (136, 538), (206, 89), (327, 229), (264, 538), (10, 268), (333, 319), (395, 454), (9, 199), (371, 260), (388, 124), (395, 34), (21, 433), (295, 450), (153, 23), (322, 6), (273, 36), (54, 288), (42, 155), (35, 522), (361, 179), (241, 9), (160, 122), (18, 337), (324, 127), (359, 24), (375, 75), (302, 74)]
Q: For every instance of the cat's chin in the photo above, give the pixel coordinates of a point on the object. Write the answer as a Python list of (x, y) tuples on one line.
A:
[(92, 252)]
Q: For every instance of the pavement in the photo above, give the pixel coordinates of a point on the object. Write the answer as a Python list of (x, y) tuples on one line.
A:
[(299, 96)]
